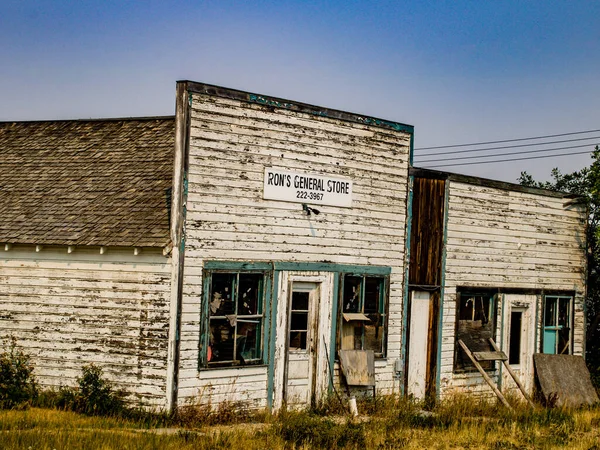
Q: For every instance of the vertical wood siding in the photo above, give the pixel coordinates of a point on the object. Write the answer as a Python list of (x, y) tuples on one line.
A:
[(69, 310), (508, 239), (231, 143)]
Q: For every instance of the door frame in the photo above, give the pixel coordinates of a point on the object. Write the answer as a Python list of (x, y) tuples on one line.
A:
[(527, 304), (324, 329)]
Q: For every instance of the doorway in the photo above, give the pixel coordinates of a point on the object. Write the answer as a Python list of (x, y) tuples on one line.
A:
[(519, 338), (302, 343), (422, 344)]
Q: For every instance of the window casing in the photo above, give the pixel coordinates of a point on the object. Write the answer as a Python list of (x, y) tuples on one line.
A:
[(233, 320), (557, 324), (475, 324), (363, 313)]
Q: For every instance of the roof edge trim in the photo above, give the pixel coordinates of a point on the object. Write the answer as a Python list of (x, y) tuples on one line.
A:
[(486, 182), (267, 100)]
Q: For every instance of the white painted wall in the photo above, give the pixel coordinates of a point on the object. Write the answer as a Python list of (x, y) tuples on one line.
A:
[(507, 239), (231, 143), (69, 310)]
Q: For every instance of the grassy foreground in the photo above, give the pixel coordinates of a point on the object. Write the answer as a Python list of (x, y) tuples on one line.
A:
[(388, 423)]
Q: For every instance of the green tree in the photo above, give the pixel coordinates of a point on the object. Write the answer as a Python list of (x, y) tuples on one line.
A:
[(584, 183)]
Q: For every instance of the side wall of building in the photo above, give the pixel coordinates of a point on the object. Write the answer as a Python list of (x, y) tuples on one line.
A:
[(69, 310), (509, 240), (231, 143)]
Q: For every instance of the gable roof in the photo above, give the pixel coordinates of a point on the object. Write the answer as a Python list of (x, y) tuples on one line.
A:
[(86, 182)]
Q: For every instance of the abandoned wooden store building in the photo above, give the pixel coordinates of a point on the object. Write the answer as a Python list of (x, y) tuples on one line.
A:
[(239, 250)]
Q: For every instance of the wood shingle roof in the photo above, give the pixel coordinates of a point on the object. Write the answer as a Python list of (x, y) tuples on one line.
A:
[(86, 182)]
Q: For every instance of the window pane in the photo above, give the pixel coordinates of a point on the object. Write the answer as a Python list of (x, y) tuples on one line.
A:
[(248, 341), (249, 293), (300, 301), (550, 312), (221, 340), (299, 321), (372, 294), (563, 312), (297, 340), (351, 299), (221, 300)]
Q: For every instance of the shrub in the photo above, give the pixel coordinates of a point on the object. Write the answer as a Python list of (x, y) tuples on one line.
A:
[(94, 396), (300, 428), (18, 387)]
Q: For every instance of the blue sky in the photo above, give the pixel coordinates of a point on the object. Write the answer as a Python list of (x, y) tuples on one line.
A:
[(459, 71)]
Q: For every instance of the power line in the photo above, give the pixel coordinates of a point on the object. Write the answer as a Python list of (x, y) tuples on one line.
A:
[(507, 154), (508, 146), (504, 160), (509, 140)]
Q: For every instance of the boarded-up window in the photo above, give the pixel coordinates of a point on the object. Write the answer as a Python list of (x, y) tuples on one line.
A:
[(476, 324), (363, 313)]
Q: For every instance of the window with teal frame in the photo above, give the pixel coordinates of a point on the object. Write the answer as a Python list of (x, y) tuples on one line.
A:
[(363, 313), (232, 322), (557, 324)]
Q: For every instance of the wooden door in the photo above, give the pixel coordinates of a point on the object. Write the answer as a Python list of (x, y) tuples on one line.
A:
[(519, 339), (302, 343)]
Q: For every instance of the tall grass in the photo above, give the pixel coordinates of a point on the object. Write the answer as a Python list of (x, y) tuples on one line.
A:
[(387, 423)]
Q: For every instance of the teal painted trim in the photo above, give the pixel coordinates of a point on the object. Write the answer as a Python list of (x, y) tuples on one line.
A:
[(237, 265), (438, 376), (502, 323), (331, 267), (272, 338), (334, 323), (323, 112), (267, 296), (297, 266), (405, 300), (204, 333), (411, 150)]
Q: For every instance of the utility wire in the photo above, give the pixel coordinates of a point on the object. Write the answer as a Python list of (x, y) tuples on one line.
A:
[(508, 140), (506, 154), (503, 160), (508, 146)]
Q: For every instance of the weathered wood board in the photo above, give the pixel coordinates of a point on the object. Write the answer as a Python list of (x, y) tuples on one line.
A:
[(358, 367), (564, 380)]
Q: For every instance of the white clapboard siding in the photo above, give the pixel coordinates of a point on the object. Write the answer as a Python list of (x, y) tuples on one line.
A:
[(231, 144), (499, 238), (69, 310)]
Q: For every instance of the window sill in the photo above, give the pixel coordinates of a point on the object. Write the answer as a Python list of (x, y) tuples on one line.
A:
[(237, 367)]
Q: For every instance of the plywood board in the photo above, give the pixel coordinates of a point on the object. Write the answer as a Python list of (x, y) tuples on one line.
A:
[(358, 367), (564, 380)]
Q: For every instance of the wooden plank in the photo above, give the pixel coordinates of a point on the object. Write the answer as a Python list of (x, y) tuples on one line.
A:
[(512, 373), (485, 376), (358, 367), (498, 355)]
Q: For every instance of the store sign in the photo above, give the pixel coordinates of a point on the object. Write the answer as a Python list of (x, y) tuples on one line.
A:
[(307, 188)]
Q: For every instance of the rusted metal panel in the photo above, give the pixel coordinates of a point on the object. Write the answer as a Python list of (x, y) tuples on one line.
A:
[(427, 232)]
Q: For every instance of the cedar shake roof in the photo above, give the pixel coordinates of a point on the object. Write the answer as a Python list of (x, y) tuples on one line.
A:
[(86, 182)]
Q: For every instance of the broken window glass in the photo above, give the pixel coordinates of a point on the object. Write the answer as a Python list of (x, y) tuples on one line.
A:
[(363, 314), (476, 324), (235, 319)]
